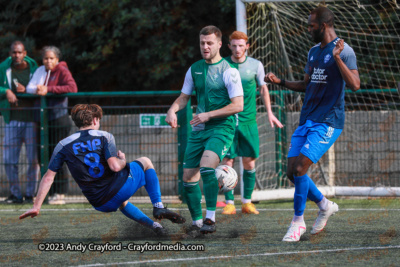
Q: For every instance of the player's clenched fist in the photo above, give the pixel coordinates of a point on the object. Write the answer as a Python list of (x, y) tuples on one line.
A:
[(338, 48), (121, 155), (271, 78), (11, 97)]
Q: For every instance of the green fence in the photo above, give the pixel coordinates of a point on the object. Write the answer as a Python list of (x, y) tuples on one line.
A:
[(138, 130), (370, 140)]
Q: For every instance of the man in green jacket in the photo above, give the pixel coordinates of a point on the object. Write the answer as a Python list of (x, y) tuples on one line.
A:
[(15, 73)]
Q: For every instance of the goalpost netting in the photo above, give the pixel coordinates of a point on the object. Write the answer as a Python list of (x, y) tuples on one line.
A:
[(367, 154)]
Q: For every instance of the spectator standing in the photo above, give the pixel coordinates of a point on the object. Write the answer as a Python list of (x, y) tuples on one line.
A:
[(55, 77), (20, 127)]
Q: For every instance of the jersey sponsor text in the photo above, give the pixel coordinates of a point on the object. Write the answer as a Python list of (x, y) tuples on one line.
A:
[(318, 76)]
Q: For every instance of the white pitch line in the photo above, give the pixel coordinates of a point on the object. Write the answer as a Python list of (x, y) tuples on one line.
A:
[(243, 256), (49, 209), (185, 209)]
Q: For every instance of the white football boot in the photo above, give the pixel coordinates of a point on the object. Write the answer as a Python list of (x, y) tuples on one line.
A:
[(295, 231), (323, 217)]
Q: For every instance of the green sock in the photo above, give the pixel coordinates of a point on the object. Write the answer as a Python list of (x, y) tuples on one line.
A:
[(249, 180), (192, 194), (229, 195), (210, 187)]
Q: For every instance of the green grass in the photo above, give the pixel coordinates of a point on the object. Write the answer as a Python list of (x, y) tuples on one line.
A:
[(359, 224)]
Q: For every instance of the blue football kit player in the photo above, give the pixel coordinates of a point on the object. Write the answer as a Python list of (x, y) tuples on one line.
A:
[(330, 67), (103, 175)]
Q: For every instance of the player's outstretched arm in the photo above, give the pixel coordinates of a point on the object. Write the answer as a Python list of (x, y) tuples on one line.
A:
[(235, 107), (44, 188), (351, 77), (297, 86), (117, 163), (267, 102), (178, 104)]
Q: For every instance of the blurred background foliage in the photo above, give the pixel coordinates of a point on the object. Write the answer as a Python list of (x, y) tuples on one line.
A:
[(117, 45)]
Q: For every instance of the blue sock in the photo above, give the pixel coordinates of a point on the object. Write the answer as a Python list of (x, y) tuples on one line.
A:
[(137, 215), (301, 186), (152, 185), (313, 193)]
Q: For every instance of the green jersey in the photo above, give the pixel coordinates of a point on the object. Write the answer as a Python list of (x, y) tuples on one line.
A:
[(252, 75), (215, 85)]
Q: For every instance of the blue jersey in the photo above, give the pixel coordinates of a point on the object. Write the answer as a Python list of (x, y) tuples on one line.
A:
[(86, 153), (324, 98)]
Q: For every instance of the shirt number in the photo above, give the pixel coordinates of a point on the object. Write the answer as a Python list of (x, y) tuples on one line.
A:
[(94, 164)]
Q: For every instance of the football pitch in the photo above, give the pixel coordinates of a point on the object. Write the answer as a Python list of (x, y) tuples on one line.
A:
[(363, 232)]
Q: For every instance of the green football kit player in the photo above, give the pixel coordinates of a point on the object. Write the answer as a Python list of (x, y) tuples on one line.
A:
[(246, 141), (219, 96)]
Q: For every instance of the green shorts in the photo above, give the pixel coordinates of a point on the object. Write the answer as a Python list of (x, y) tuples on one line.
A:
[(246, 142), (216, 140)]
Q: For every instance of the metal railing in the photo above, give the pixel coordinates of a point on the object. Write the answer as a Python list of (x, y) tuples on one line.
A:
[(166, 146), (159, 144)]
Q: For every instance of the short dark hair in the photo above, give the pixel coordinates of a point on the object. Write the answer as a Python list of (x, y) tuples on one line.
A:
[(83, 114), (324, 15), (16, 43), (211, 30)]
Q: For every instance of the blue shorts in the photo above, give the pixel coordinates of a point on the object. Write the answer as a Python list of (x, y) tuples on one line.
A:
[(135, 181), (312, 139)]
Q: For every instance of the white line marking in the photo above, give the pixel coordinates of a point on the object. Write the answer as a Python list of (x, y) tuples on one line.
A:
[(49, 209), (243, 256), (185, 209)]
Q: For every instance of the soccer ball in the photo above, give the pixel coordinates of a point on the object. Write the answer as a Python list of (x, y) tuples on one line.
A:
[(227, 178)]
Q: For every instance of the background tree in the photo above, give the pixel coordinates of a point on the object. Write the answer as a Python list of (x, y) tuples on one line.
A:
[(117, 45)]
